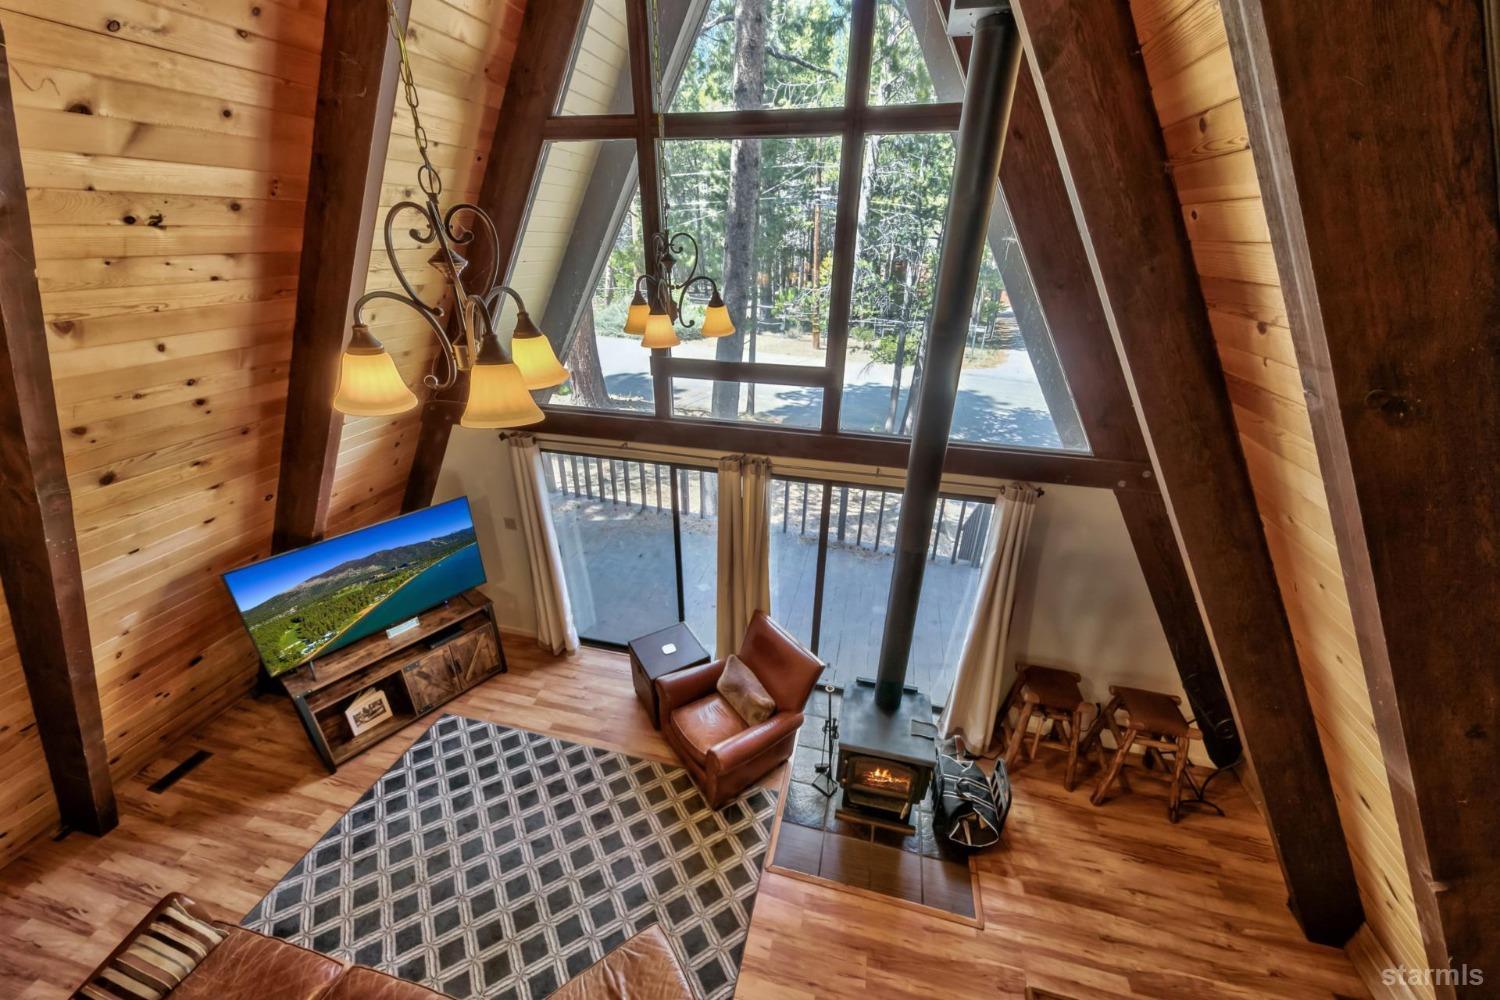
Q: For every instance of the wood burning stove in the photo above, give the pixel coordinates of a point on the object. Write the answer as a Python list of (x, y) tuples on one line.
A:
[(886, 758)]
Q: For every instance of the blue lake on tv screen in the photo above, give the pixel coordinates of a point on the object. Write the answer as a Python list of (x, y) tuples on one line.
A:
[(455, 574)]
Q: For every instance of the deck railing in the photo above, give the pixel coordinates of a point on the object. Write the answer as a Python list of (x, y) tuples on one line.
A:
[(859, 517)]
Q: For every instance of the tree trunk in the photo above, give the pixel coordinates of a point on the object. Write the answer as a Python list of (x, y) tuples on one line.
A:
[(583, 361), (744, 189)]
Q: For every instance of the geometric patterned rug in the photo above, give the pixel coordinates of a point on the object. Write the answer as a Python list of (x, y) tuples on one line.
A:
[(499, 863)]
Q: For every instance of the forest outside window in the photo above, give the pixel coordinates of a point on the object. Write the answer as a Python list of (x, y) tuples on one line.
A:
[(760, 109)]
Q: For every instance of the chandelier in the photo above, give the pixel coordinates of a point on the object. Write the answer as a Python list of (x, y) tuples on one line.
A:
[(654, 310), (500, 382)]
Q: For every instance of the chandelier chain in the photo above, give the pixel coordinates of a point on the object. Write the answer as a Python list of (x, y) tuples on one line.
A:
[(427, 175)]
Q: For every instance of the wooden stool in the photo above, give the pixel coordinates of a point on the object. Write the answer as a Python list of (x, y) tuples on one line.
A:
[(1153, 721), (1054, 695)]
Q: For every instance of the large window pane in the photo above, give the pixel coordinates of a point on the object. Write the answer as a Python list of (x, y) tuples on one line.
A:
[(575, 266), (783, 53), (599, 78), (950, 587), (788, 405), (614, 530), (763, 212), (856, 584), (903, 209), (796, 512), (898, 71), (698, 519)]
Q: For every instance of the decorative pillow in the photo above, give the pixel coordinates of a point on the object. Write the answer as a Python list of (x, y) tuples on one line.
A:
[(159, 958), (745, 693)]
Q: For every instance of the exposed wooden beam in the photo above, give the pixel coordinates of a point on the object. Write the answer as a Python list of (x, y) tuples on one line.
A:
[(1062, 320), (1375, 146), (1084, 57), (357, 87), (537, 74), (38, 548), (1032, 182)]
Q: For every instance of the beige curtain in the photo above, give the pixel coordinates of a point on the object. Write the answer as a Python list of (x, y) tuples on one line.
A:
[(554, 615), (744, 547), (976, 693)]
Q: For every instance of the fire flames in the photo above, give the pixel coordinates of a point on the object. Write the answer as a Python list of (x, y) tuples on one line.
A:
[(881, 777)]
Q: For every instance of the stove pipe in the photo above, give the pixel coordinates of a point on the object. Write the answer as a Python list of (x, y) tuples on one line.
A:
[(994, 63)]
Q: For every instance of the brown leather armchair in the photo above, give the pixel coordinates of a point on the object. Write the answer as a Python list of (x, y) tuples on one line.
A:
[(724, 755)]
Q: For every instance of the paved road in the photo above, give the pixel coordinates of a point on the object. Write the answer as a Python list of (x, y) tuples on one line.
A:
[(1001, 403)]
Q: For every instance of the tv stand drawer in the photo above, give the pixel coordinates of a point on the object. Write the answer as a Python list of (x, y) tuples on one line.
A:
[(431, 680), (473, 656)]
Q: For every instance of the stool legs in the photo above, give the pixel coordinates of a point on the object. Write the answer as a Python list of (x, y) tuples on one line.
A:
[(1018, 735), (1075, 739), (1174, 808), (1114, 766)]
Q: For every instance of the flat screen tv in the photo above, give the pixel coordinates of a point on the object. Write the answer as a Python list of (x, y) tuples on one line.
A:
[(304, 604)]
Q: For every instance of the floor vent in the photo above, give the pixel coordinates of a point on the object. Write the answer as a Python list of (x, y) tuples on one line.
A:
[(179, 772)]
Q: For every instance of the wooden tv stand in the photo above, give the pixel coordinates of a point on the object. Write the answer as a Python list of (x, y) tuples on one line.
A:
[(454, 647)]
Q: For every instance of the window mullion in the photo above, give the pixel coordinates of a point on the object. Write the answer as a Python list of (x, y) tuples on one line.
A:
[(851, 168)]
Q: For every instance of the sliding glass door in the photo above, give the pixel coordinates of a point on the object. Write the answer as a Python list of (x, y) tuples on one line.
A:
[(832, 546), (638, 542)]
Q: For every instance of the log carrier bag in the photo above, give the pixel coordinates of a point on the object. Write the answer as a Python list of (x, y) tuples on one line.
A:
[(969, 806)]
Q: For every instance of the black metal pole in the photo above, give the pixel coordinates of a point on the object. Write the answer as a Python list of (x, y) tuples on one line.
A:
[(993, 64)]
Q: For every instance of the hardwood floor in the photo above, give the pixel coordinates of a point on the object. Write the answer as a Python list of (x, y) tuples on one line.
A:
[(1090, 903)]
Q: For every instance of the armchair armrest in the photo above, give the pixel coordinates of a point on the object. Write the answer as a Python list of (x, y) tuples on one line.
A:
[(687, 686), (746, 744)]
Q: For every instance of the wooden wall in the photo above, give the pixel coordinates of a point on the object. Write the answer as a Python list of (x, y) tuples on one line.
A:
[(1193, 84), (166, 150), (461, 52), (27, 806)]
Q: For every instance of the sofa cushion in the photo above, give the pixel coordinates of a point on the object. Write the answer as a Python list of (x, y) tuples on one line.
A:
[(704, 724), (360, 983), (249, 966), (643, 968), (161, 953), (744, 692)]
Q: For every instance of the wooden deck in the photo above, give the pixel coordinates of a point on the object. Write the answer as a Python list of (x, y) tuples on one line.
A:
[(1091, 903), (613, 553)]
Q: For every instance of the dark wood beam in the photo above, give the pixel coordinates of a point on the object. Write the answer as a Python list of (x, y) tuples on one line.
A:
[(537, 73), (38, 548), (357, 86), (1062, 320), (855, 449), (1085, 59), (1375, 143), (1062, 281)]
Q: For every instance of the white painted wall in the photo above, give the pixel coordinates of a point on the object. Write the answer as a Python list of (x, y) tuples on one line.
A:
[(1081, 604)]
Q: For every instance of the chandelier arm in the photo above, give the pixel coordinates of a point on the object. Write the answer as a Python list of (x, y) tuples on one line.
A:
[(434, 323), (491, 300), (675, 244), (492, 273), (682, 296), (416, 234)]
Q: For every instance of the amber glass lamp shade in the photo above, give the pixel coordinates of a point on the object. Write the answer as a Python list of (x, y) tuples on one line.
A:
[(532, 353), (716, 321), (369, 384), (497, 391), (637, 315), (660, 332)]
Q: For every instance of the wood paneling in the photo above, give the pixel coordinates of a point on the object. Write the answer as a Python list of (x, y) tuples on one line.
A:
[(461, 56), (228, 830), (28, 806), (1099, 109), (1192, 78), (166, 149)]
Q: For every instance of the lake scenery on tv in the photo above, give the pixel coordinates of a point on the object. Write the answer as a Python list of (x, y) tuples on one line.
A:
[(310, 602)]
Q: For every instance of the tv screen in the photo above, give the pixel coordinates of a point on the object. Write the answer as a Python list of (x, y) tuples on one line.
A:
[(307, 603)]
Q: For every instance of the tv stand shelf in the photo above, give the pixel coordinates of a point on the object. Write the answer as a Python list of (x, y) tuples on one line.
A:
[(452, 648)]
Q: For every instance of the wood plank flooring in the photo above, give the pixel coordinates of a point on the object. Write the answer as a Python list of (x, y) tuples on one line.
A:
[(1090, 903)]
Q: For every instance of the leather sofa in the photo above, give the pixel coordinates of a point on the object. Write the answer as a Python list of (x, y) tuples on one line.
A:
[(722, 753), (250, 966)]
